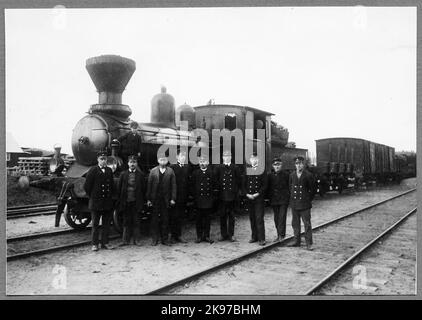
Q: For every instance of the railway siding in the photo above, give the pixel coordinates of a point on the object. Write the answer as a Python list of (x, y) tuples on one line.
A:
[(298, 270), (137, 270)]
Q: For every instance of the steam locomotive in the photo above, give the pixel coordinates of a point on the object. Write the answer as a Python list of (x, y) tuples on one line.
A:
[(109, 119)]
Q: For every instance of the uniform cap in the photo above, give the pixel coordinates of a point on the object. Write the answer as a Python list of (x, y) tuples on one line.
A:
[(102, 153), (276, 159), (134, 125), (299, 159), (203, 157), (254, 154), (132, 157)]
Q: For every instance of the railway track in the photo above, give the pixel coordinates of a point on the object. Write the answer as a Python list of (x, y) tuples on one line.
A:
[(294, 270), (31, 210), (47, 242), (182, 285)]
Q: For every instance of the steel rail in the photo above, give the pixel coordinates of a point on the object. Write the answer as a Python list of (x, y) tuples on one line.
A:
[(29, 214), (29, 206), (249, 254), (346, 263), (45, 234), (53, 249)]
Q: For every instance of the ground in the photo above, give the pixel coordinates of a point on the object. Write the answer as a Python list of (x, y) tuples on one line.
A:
[(137, 270), (18, 197)]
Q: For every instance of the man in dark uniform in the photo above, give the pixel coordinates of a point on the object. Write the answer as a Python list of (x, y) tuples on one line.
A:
[(182, 173), (99, 188), (161, 195), (302, 192), (229, 181), (130, 143), (203, 184), (131, 199), (254, 187), (278, 187)]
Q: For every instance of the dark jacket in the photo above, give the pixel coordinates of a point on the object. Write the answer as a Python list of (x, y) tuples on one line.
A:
[(302, 190), (229, 182), (182, 181), (169, 185), (130, 144), (140, 189), (278, 188), (252, 184), (99, 187), (204, 188)]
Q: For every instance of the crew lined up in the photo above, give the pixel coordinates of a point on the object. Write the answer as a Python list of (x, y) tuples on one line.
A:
[(168, 188)]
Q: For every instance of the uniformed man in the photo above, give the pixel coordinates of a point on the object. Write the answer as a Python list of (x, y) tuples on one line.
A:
[(130, 143), (203, 188), (131, 191), (229, 182), (254, 187), (302, 192), (161, 195), (99, 188), (182, 172), (279, 194)]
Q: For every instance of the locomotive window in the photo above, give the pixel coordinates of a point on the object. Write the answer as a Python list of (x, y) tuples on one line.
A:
[(230, 121)]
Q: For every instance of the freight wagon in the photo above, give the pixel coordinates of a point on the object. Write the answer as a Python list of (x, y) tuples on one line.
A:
[(347, 162)]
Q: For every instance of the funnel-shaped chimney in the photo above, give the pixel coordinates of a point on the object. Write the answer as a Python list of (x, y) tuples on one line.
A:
[(110, 74)]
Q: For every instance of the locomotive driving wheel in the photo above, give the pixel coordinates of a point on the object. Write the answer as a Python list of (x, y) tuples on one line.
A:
[(77, 220)]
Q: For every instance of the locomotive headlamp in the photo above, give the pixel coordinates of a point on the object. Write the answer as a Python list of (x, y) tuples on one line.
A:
[(53, 167), (56, 166)]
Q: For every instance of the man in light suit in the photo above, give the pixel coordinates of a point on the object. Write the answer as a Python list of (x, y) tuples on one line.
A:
[(161, 195)]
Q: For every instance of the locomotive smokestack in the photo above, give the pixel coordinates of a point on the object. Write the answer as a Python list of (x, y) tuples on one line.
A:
[(110, 74)]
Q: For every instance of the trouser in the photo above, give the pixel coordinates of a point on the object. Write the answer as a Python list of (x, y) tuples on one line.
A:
[(131, 223), (256, 217), (203, 223), (306, 218), (160, 221), (176, 216), (280, 213), (105, 216), (227, 218)]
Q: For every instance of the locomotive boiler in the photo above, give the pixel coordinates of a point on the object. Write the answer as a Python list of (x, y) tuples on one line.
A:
[(105, 123)]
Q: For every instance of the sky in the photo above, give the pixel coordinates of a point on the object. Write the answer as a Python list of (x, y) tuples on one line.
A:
[(323, 71)]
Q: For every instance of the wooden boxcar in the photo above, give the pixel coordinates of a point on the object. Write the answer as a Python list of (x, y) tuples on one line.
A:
[(371, 161)]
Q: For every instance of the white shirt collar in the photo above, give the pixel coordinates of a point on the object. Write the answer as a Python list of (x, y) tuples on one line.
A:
[(162, 170)]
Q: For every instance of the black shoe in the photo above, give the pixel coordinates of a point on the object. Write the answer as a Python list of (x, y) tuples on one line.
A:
[(181, 240), (262, 243), (123, 244), (173, 241), (253, 240), (309, 247), (296, 244), (165, 243), (154, 242), (198, 240), (221, 238), (104, 246), (232, 239), (208, 240)]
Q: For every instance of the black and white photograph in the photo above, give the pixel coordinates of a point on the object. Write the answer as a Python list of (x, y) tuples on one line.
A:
[(230, 151)]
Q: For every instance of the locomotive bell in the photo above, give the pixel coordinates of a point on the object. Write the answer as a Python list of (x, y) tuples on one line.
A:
[(162, 109), (110, 74)]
